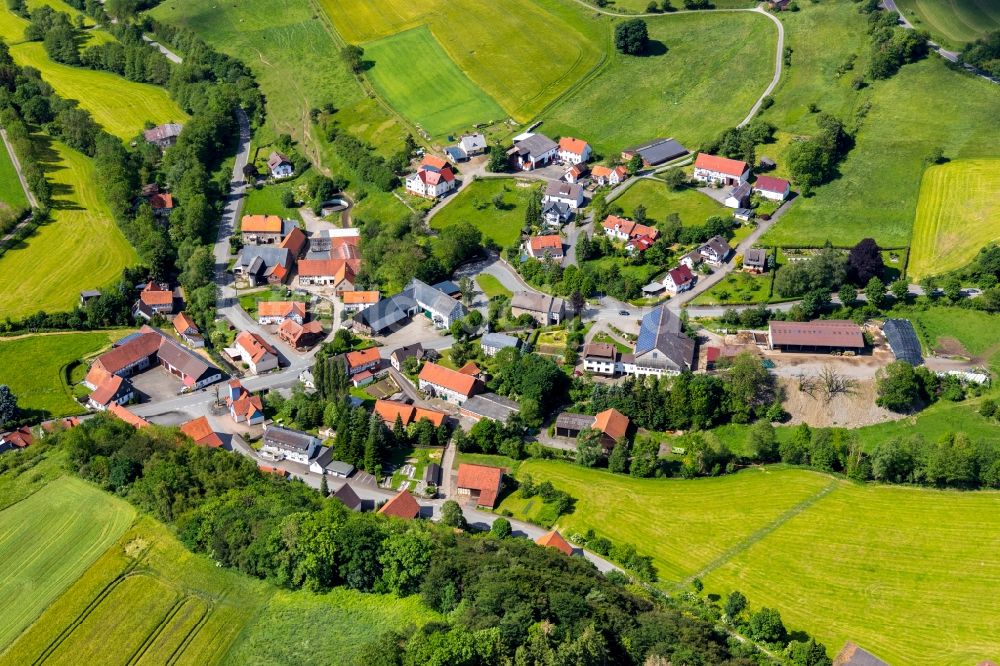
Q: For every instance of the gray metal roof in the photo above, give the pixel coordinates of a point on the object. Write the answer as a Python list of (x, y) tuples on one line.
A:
[(535, 302), (185, 360), (755, 257), (433, 299), (718, 245), (471, 142), (383, 314), (536, 144), (432, 474), (659, 151), (741, 191), (268, 255), (499, 340), (289, 439), (903, 341), (558, 188), (491, 406), (573, 421)]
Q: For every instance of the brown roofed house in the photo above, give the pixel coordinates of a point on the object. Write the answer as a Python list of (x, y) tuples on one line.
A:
[(481, 483), (295, 242), (401, 506), (201, 432), (16, 439), (128, 416), (613, 426), (348, 497), (555, 540), (300, 336), (276, 312)]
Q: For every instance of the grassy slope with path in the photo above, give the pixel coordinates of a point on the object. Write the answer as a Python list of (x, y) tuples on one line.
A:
[(33, 367), (958, 212), (503, 226), (692, 206), (47, 541), (416, 76), (507, 49), (952, 22), (80, 248), (887, 567), (720, 62), (12, 199)]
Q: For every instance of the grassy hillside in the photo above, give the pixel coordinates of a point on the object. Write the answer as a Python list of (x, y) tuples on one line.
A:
[(891, 568), (952, 22), (80, 248), (958, 212), (522, 53), (12, 199), (34, 367), (414, 74), (704, 73), (47, 541)]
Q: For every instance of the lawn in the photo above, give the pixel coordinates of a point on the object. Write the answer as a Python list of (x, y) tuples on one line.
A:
[(878, 191), (608, 339), (305, 628), (249, 300), (702, 61), (80, 248), (975, 331), (491, 286), (266, 200), (692, 206), (12, 199), (737, 288), (952, 22), (47, 541), (643, 274), (474, 205), (958, 212), (508, 50), (34, 366), (118, 105), (414, 74)]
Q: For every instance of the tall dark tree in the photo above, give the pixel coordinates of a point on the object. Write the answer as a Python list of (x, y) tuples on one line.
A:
[(632, 37), (8, 405), (865, 262)]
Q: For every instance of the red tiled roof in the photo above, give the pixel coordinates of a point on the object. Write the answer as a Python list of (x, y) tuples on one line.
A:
[(183, 323), (128, 416), (140, 347), (542, 243), (107, 390), (294, 241), (433, 177), (681, 275), (435, 417), (723, 165), (254, 345), (20, 438), (162, 201), (388, 410), (201, 432), (555, 540), (359, 297), (65, 424), (599, 171), (268, 224), (829, 333), (572, 145), (612, 423), (281, 308), (771, 184), (627, 226), (154, 294), (267, 469), (324, 268), (470, 369), (357, 359), (433, 161), (449, 379), (485, 479), (401, 506)]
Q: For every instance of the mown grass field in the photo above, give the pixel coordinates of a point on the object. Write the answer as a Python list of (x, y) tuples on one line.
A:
[(958, 212), (705, 73), (491, 286), (12, 199), (47, 541), (522, 54), (952, 22), (474, 205), (973, 330), (80, 248), (892, 568), (737, 288), (267, 201), (691, 206), (923, 107), (413, 73), (304, 628), (34, 366)]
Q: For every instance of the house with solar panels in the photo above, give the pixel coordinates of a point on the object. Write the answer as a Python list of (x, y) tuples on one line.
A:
[(662, 348)]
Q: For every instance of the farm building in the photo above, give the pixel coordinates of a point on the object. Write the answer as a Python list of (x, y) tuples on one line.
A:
[(356, 301), (720, 170), (163, 136), (450, 385), (402, 506), (389, 410), (264, 229), (115, 390), (903, 341), (816, 336), (386, 316), (655, 152), (612, 424), (739, 196), (543, 308), (337, 273), (438, 306), (489, 406), (661, 348), (481, 483), (532, 151), (769, 187), (296, 446)]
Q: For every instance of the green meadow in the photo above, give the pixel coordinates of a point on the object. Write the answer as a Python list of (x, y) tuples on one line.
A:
[(952, 22), (691, 206), (474, 205)]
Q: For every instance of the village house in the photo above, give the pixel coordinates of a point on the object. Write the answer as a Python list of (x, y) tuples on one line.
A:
[(692, 259), (262, 264), (565, 193), (472, 144), (491, 343), (154, 299), (284, 443), (480, 483), (113, 390), (556, 214), (743, 214), (542, 247), (193, 370), (200, 430), (438, 306), (356, 301), (489, 406), (264, 229), (555, 540), (163, 136), (720, 170), (295, 241), (622, 229), (738, 197), (755, 260), (601, 358), (543, 308), (398, 357), (655, 152), (440, 382), (325, 464), (359, 361), (388, 315), (639, 244), (602, 175), (390, 410), (346, 496), (661, 348), (301, 336), (337, 273), (162, 204), (244, 407), (256, 352), (87, 295), (612, 424), (19, 438), (532, 151), (402, 506), (188, 331), (276, 312), (59, 425), (573, 151), (279, 165), (343, 243), (129, 417), (715, 251), (432, 179), (833, 335), (575, 173), (679, 279), (769, 187)]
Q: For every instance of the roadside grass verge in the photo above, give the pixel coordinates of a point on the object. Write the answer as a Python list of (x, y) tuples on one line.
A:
[(81, 247), (698, 62), (34, 366), (958, 212), (474, 205), (48, 540), (415, 75), (491, 286), (11, 192)]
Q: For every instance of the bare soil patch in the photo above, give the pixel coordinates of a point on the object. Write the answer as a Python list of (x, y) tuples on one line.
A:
[(948, 346), (846, 410)]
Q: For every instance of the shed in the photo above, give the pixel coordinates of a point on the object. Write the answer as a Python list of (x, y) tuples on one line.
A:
[(903, 341)]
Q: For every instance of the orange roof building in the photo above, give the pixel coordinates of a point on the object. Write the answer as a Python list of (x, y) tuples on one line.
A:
[(261, 224), (540, 246), (555, 540), (613, 425), (128, 416), (201, 432), (300, 335), (359, 299), (273, 312), (573, 150), (402, 506), (720, 169), (480, 482), (294, 242), (18, 439), (434, 162), (364, 359), (388, 410), (439, 381), (471, 369), (621, 228)]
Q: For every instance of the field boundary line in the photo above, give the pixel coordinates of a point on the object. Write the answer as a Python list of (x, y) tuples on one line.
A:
[(190, 636), (759, 535), (179, 602)]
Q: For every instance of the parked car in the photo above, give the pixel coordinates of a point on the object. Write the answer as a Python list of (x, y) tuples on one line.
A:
[(623, 313)]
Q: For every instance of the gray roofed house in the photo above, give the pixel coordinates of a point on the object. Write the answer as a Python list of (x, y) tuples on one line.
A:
[(291, 444), (555, 213), (325, 464), (455, 153), (656, 151), (472, 144), (755, 260), (194, 370), (439, 306), (903, 341), (534, 150), (164, 135), (715, 251), (544, 308), (348, 497), (855, 655), (489, 406), (491, 343), (449, 287), (739, 197), (558, 191), (661, 347), (743, 214), (432, 474), (257, 262), (384, 315), (398, 357)]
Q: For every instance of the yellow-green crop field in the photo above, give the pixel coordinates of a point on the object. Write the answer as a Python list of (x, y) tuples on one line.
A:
[(958, 212), (956, 21)]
